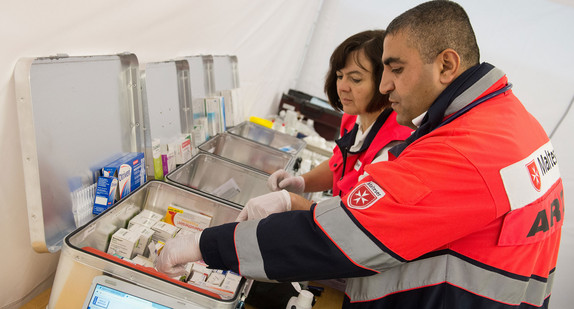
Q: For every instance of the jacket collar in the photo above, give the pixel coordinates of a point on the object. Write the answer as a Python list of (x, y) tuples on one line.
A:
[(348, 139)]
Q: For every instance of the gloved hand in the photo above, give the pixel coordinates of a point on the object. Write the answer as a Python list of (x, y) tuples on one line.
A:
[(177, 252), (281, 179), (264, 205)]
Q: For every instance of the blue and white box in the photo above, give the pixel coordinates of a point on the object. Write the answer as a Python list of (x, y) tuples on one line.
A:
[(129, 170), (137, 163), (106, 194), (121, 170), (96, 169)]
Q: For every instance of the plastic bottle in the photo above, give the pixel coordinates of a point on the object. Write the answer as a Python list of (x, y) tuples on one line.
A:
[(303, 301), (291, 122)]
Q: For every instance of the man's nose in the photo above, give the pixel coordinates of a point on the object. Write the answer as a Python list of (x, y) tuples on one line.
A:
[(386, 85)]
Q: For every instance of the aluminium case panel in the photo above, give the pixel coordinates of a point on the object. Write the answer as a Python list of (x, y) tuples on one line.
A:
[(167, 94), (208, 173), (166, 99), (248, 153), (84, 254), (225, 72), (72, 112), (201, 81)]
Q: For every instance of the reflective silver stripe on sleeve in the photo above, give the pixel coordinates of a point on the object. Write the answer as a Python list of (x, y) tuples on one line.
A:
[(404, 277), (455, 271), (248, 253), (357, 246)]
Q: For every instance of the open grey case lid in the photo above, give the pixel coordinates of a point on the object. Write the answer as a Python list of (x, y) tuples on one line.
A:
[(225, 72), (167, 95), (166, 98), (73, 112)]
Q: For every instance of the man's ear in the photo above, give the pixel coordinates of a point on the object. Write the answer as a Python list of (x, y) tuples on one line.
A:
[(450, 65)]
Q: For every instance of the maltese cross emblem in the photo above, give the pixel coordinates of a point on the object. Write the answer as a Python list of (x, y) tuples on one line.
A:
[(534, 175), (364, 195)]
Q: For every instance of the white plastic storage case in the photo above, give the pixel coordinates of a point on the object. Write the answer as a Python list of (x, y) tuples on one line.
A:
[(83, 258)]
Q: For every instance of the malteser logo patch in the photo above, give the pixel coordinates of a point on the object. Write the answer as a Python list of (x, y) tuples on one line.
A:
[(534, 175), (364, 195), (528, 179)]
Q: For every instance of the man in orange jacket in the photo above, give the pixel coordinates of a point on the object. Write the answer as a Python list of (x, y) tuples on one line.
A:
[(467, 215)]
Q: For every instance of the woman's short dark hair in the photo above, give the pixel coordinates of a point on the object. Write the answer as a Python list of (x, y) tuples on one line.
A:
[(371, 43)]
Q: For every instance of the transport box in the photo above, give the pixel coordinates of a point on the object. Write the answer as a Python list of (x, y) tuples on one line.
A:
[(268, 137), (220, 178), (103, 95), (248, 153), (83, 255), (327, 121)]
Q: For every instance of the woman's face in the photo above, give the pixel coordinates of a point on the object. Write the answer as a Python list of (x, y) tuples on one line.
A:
[(355, 84)]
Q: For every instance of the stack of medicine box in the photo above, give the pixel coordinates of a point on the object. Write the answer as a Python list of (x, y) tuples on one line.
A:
[(147, 232), (117, 179), (134, 240)]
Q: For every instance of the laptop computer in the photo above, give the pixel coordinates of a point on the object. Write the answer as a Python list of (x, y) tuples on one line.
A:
[(111, 293)]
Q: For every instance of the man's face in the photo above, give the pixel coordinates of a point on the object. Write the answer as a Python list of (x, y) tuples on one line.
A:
[(412, 85)]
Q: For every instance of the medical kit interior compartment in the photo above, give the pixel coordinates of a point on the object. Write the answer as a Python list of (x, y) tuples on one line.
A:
[(85, 252), (269, 137), (221, 178), (248, 153)]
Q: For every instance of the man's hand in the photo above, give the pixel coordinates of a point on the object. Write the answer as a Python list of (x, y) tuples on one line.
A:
[(264, 205), (177, 252)]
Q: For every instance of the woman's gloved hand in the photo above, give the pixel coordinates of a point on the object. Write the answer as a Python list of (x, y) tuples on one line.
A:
[(264, 205), (281, 179), (177, 252)]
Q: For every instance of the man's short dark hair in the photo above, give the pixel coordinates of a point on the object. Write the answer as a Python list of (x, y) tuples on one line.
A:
[(436, 25)]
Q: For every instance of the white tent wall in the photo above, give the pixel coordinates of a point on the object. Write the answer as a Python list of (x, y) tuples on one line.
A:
[(268, 37), (532, 41)]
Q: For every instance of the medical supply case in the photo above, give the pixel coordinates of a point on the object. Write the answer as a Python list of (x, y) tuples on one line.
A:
[(58, 161), (209, 173), (327, 121), (248, 153), (83, 254), (269, 137)]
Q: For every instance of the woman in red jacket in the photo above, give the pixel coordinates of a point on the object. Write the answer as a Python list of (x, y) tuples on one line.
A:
[(368, 129)]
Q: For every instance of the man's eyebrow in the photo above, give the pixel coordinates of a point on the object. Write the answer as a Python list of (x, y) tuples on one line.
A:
[(391, 60)]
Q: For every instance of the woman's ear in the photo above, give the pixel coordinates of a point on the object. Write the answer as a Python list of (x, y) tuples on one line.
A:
[(450, 65)]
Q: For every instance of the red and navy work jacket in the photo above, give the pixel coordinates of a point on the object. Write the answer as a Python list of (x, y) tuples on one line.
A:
[(347, 166), (468, 216)]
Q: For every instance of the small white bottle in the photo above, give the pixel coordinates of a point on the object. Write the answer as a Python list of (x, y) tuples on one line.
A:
[(303, 301)]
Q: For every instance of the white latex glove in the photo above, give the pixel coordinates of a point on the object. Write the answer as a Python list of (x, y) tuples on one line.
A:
[(264, 205), (281, 179), (177, 252)]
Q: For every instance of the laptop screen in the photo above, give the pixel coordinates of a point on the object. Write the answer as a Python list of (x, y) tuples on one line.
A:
[(105, 297)]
